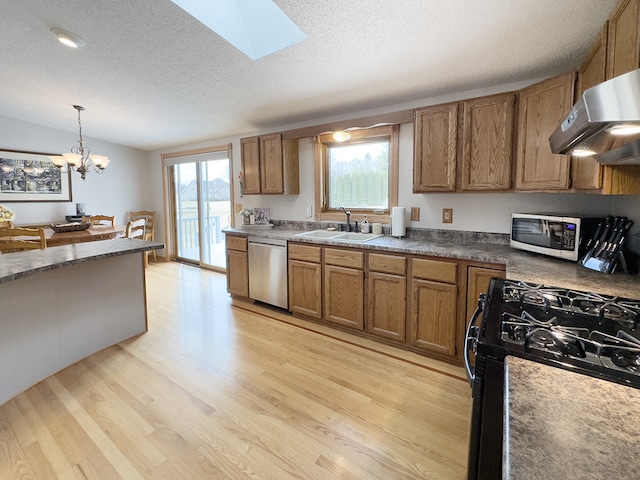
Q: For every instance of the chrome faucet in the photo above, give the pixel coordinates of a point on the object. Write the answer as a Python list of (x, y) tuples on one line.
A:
[(348, 218)]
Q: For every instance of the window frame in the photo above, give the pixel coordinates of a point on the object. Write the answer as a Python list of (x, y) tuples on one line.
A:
[(325, 140)]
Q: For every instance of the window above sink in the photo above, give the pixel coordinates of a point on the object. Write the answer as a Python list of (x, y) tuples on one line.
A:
[(354, 179)]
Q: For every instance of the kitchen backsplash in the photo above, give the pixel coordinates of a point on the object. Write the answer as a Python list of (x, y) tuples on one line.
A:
[(412, 233)]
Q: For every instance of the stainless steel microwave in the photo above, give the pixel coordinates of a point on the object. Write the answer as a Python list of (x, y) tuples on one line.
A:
[(561, 236)]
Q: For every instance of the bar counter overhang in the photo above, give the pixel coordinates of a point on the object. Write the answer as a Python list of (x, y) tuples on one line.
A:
[(62, 304)]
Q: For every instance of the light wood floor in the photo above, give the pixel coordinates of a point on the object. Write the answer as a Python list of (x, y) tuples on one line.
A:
[(216, 391)]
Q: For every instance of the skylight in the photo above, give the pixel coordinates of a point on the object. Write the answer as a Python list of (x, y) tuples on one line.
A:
[(255, 27)]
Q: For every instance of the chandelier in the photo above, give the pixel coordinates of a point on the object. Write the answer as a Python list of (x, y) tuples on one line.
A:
[(80, 157)]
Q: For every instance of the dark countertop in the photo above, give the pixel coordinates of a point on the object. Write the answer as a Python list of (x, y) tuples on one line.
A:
[(476, 247), (30, 262), (561, 424)]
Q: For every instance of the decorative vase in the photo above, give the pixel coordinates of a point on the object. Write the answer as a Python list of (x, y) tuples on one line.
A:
[(246, 219)]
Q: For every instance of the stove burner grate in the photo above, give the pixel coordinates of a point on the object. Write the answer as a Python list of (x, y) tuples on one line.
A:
[(571, 302), (620, 352)]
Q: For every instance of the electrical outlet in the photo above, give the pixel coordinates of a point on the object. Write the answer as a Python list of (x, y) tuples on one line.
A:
[(415, 214), (238, 207), (447, 215)]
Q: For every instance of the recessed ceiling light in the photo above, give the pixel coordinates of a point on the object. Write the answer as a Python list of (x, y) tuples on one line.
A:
[(69, 39)]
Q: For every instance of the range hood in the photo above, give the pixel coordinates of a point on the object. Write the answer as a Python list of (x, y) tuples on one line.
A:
[(604, 123)]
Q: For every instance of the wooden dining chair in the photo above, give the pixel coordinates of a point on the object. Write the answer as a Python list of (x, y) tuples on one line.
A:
[(99, 219), (13, 239), (150, 227), (135, 229)]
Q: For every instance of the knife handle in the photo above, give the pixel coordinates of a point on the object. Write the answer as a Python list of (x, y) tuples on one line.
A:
[(593, 239), (601, 242)]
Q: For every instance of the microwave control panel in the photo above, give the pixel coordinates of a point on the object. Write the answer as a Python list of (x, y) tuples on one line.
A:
[(569, 236)]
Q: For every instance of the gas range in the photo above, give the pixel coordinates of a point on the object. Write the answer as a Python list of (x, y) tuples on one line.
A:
[(584, 332), (595, 334)]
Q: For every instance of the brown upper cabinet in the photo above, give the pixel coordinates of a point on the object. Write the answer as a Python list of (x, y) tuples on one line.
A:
[(464, 146), (615, 52), (586, 173), (435, 153), (487, 142), (623, 46), (270, 165), (541, 108), (250, 155)]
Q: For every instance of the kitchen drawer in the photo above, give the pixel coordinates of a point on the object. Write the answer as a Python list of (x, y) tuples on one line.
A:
[(387, 264), (435, 270), (237, 243), (344, 258), (306, 253)]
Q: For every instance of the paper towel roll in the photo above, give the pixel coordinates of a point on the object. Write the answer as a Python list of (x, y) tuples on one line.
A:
[(398, 225)]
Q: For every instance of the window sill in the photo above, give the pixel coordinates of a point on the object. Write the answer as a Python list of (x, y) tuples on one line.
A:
[(342, 218)]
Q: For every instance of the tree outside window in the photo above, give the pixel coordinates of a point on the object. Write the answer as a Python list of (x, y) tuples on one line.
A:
[(358, 176)]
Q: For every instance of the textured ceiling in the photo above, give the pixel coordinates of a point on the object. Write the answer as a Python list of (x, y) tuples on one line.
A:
[(151, 76)]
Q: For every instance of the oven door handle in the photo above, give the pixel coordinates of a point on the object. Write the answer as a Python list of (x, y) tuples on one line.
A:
[(471, 339)]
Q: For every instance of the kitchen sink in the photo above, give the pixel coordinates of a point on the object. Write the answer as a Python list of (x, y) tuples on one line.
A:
[(341, 236), (318, 234), (356, 237)]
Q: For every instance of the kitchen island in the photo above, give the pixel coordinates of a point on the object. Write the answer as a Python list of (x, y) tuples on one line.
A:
[(561, 424), (62, 304)]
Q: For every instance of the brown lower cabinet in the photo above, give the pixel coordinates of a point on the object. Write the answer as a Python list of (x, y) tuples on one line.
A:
[(478, 279), (410, 301), (434, 305), (305, 280), (387, 296), (237, 266), (344, 287)]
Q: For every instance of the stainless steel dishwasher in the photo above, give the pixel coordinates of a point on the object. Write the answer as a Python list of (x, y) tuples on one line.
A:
[(268, 271)]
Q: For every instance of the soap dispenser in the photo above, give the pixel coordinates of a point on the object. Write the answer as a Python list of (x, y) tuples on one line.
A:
[(364, 225)]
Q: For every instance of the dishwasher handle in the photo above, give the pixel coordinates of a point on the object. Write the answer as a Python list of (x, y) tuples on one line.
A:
[(276, 242)]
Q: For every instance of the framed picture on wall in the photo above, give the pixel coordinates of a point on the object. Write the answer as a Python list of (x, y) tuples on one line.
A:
[(32, 177)]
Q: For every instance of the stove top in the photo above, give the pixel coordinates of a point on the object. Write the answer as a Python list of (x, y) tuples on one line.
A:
[(570, 304), (595, 333)]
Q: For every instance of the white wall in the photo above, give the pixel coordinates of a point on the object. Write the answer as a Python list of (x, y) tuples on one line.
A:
[(483, 212), (123, 186)]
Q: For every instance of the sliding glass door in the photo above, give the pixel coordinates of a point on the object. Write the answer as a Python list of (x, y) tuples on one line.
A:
[(202, 205), (215, 211), (187, 224)]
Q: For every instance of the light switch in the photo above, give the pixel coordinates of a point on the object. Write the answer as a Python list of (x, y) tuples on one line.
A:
[(447, 215), (308, 211), (238, 207)]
